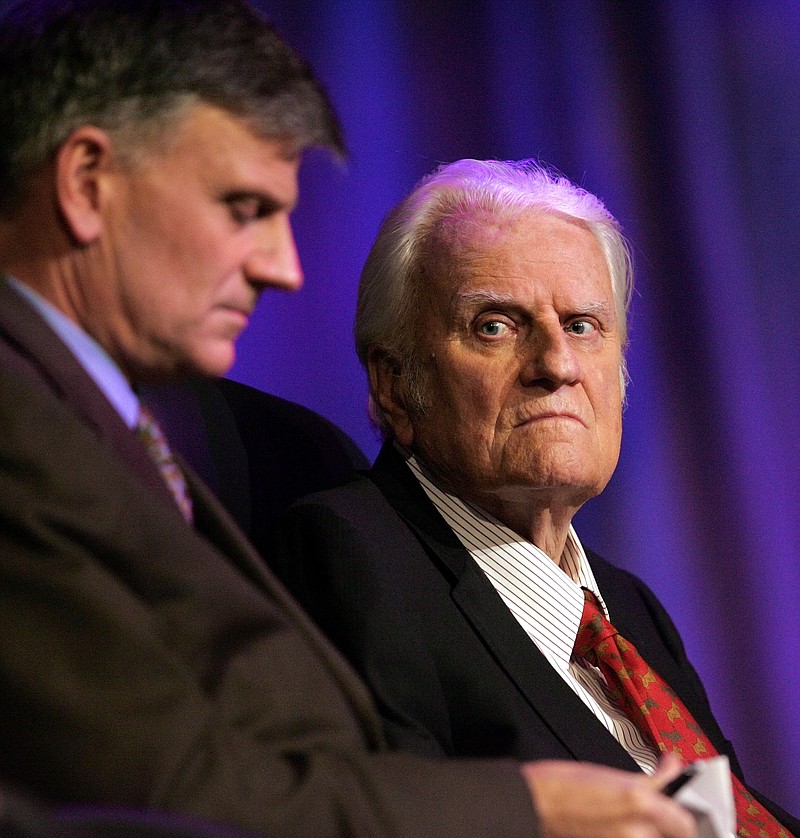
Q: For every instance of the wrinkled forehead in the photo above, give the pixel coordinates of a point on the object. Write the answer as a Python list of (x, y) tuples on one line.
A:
[(454, 245), (469, 243), (460, 233)]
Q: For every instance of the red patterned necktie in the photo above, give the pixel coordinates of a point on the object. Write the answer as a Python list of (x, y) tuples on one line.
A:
[(658, 713), (149, 431)]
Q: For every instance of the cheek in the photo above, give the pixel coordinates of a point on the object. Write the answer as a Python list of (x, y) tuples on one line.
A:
[(194, 274), (611, 443), (479, 394), (193, 245), (608, 414)]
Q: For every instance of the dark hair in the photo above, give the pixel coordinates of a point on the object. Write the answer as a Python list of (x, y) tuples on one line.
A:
[(131, 67)]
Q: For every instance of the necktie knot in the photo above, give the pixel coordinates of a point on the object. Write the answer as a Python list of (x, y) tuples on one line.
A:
[(149, 431), (594, 630)]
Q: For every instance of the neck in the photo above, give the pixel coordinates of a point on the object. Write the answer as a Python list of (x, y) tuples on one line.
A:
[(545, 526)]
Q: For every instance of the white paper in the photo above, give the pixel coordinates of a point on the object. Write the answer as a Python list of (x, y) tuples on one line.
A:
[(709, 797)]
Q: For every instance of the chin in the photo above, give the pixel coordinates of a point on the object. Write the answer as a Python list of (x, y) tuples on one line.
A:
[(210, 370), (211, 363), (563, 481)]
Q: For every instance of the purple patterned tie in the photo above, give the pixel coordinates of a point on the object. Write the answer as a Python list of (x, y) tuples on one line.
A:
[(149, 431)]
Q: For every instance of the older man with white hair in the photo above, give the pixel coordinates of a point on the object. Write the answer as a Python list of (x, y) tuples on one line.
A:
[(492, 323)]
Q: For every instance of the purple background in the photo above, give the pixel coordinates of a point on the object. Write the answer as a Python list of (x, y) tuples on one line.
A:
[(685, 118)]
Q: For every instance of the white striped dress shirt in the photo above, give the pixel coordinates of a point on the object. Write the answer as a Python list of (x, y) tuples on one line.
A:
[(545, 598)]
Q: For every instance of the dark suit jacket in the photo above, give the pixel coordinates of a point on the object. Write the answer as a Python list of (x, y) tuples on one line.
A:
[(257, 452), (145, 663), (451, 669)]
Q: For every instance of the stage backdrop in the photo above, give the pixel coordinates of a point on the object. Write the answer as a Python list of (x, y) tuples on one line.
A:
[(685, 118)]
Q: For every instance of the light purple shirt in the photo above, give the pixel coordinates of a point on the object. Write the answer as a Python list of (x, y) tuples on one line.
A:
[(88, 353)]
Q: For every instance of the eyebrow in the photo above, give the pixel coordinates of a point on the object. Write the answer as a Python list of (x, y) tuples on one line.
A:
[(598, 308), (465, 300), (269, 203)]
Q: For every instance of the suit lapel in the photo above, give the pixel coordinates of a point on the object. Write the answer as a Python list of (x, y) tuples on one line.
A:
[(548, 695), (215, 524), (213, 521)]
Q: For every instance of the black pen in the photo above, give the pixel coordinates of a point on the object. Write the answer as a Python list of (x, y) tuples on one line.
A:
[(680, 781)]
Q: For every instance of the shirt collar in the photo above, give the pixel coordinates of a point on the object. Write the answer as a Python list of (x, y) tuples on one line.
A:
[(546, 598), (89, 354)]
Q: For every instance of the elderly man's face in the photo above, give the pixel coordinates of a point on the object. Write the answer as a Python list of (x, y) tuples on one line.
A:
[(522, 358), (193, 234)]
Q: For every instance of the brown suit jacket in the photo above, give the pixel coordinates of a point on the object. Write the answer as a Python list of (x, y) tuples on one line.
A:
[(147, 663)]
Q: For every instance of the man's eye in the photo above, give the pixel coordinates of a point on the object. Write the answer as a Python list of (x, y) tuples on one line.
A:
[(493, 328), (244, 210), (580, 327)]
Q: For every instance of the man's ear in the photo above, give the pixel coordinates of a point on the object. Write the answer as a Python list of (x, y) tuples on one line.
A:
[(388, 390), (81, 165)]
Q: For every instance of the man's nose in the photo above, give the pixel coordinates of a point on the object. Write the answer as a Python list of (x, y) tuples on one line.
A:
[(274, 262), (551, 360)]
